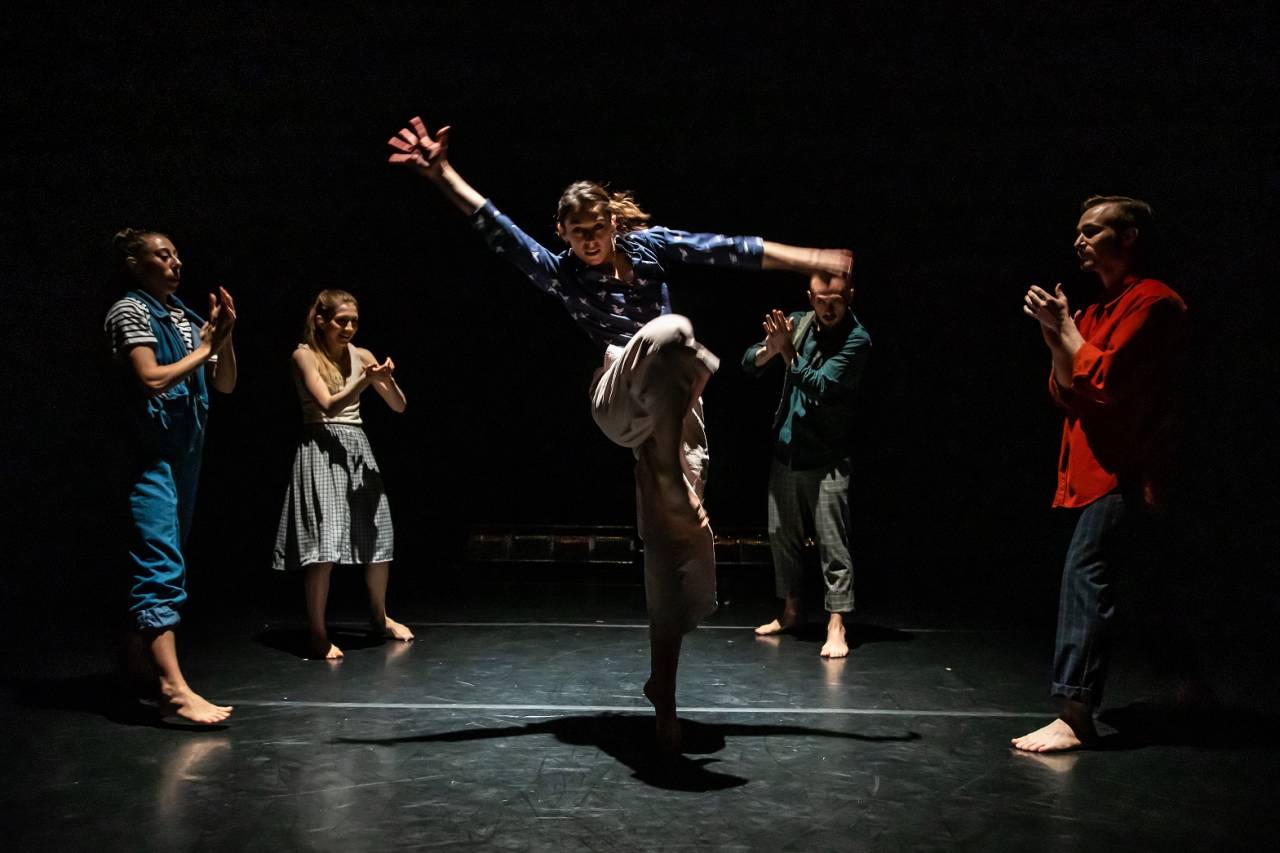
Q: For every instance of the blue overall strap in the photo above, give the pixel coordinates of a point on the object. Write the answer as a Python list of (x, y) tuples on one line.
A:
[(171, 348)]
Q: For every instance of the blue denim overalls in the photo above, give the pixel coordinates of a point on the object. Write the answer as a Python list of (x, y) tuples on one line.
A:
[(169, 433)]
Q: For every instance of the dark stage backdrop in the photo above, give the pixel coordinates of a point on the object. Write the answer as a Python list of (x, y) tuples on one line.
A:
[(947, 144)]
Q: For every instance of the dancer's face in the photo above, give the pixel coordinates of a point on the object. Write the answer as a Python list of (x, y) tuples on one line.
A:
[(590, 234), (157, 266), (830, 297), (339, 329), (1099, 246)]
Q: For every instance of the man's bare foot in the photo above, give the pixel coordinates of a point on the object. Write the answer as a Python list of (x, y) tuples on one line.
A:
[(394, 630), (1058, 736), (789, 619), (319, 648), (193, 707), (668, 724), (835, 646)]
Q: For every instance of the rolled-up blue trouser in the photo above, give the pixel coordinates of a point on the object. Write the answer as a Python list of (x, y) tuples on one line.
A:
[(161, 501)]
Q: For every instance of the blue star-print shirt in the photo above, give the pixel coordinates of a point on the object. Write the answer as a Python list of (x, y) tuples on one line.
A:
[(611, 311)]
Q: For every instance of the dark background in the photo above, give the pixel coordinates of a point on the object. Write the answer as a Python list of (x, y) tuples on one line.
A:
[(948, 145)]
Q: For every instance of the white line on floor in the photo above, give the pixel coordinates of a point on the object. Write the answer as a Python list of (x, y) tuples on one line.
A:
[(638, 709)]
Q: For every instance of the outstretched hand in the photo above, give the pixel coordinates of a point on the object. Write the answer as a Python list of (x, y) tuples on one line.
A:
[(414, 147)]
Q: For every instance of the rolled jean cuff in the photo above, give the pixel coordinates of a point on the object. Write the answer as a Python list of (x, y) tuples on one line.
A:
[(1076, 694), (157, 618)]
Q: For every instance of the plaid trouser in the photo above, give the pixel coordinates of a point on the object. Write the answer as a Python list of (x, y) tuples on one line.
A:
[(821, 497)]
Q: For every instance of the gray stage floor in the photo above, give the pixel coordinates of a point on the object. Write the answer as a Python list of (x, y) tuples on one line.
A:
[(527, 731)]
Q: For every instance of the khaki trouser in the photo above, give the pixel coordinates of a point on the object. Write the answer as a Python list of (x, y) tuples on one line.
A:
[(647, 397)]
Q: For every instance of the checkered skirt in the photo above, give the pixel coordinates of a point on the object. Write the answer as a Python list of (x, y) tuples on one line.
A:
[(336, 509)]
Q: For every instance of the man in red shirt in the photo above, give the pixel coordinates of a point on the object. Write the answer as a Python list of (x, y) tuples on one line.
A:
[(1111, 373)]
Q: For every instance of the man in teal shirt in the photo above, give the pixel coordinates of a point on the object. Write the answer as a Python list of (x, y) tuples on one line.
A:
[(824, 352)]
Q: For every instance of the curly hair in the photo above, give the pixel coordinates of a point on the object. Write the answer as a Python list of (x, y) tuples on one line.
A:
[(584, 195), (326, 304)]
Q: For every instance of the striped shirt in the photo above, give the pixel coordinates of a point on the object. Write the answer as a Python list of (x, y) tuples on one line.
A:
[(128, 324)]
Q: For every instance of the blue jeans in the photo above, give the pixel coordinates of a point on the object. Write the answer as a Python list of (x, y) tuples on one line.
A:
[(1103, 542), (161, 502)]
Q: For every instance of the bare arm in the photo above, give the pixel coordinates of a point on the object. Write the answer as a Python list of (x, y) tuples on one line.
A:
[(158, 378), (414, 147), (382, 378), (304, 361), (779, 256)]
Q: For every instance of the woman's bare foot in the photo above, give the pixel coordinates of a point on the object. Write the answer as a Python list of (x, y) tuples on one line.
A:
[(393, 629), (668, 724), (1058, 736), (319, 648), (835, 646), (191, 706)]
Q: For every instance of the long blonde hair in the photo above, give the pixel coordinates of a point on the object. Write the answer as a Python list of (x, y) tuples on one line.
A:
[(326, 305)]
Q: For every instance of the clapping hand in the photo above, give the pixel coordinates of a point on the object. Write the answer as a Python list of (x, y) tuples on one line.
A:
[(381, 372), (777, 331)]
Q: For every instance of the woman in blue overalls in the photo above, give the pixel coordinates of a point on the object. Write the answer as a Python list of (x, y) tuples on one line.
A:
[(167, 356)]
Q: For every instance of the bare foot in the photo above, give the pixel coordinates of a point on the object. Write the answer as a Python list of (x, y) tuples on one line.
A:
[(835, 646), (395, 630), (1058, 736), (789, 619), (319, 648), (668, 724), (193, 707)]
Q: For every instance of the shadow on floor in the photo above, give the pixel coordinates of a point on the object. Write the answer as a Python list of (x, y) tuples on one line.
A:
[(293, 640), (629, 738), (1149, 724), (105, 695)]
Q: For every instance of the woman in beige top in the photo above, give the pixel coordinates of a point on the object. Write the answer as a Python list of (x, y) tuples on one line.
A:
[(336, 509)]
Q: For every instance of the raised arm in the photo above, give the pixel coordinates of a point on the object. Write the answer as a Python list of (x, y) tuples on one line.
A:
[(304, 361), (779, 256), (414, 147)]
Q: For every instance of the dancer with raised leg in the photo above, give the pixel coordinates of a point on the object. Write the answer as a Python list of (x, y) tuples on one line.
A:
[(646, 396), (168, 357)]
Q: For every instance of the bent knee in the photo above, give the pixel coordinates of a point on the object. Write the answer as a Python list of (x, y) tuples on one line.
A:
[(669, 330)]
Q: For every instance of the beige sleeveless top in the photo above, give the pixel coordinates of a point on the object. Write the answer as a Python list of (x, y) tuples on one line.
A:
[(311, 411)]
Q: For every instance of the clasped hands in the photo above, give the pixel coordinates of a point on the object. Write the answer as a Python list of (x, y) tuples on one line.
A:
[(222, 319)]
